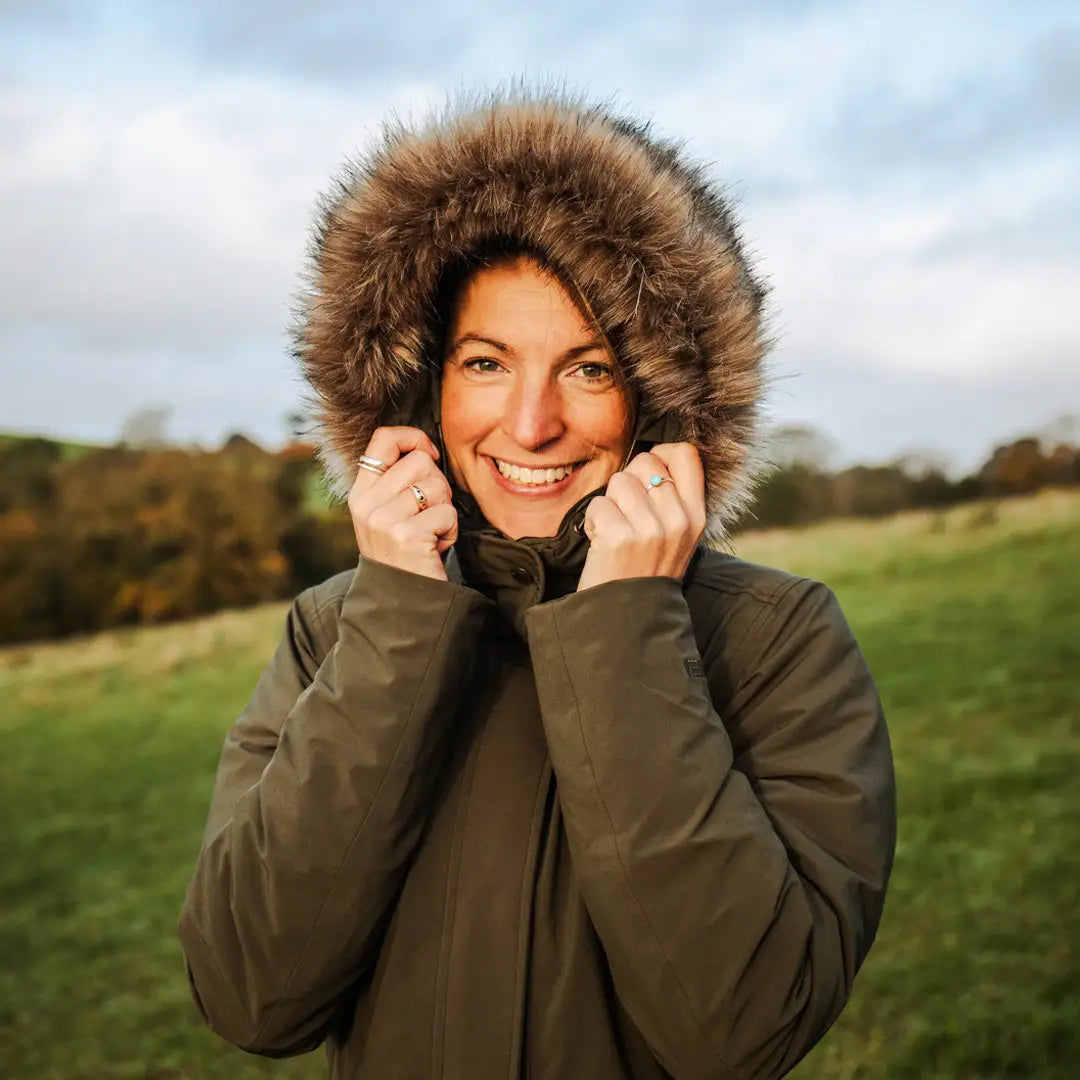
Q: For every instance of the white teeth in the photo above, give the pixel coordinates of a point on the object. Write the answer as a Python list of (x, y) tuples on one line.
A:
[(520, 475)]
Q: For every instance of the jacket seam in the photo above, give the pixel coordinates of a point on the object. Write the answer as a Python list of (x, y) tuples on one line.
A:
[(445, 962), (619, 855), (212, 956), (360, 828), (771, 597), (317, 616), (715, 579), (525, 910), (765, 615)]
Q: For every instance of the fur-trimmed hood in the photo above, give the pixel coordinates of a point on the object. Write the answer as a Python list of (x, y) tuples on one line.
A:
[(642, 233)]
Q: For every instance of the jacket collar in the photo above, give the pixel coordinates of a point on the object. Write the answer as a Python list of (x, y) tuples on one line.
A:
[(516, 574)]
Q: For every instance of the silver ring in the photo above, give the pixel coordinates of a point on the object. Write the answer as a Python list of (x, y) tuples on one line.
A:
[(372, 464), (657, 480), (419, 496)]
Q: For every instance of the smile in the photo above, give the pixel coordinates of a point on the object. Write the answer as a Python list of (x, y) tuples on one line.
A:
[(519, 474)]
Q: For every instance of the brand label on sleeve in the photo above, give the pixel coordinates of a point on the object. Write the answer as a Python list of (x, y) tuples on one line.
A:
[(695, 668)]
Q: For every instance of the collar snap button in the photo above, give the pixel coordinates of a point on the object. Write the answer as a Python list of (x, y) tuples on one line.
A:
[(519, 573)]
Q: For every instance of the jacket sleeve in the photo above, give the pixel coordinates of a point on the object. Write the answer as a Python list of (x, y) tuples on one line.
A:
[(736, 887), (320, 796)]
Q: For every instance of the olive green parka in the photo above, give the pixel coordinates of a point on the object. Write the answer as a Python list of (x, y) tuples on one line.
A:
[(494, 827)]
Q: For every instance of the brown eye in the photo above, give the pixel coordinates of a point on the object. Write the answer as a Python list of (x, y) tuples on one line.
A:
[(595, 372), (484, 364)]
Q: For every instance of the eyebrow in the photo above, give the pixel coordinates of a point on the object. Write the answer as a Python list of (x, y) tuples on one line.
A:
[(499, 346)]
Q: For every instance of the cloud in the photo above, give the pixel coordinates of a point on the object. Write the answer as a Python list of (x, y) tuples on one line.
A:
[(980, 120), (870, 282), (132, 222), (902, 169)]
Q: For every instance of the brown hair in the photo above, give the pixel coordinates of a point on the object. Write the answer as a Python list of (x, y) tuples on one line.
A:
[(501, 251)]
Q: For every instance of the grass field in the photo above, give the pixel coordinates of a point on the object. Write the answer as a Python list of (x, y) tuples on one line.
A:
[(70, 450), (971, 622)]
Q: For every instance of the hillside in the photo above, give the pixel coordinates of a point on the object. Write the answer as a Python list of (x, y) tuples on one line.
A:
[(71, 450)]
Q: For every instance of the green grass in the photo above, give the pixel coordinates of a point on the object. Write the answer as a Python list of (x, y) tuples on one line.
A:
[(317, 497), (69, 450), (971, 623)]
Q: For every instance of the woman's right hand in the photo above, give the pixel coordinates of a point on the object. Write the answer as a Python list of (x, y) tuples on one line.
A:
[(389, 524)]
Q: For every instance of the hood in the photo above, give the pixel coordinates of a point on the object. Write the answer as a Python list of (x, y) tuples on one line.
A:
[(642, 233)]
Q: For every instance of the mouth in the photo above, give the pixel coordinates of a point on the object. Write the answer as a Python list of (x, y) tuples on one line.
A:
[(523, 479)]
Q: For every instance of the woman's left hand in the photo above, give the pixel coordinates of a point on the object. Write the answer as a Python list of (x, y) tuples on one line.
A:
[(643, 529)]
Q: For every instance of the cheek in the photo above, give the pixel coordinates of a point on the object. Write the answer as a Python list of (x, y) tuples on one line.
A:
[(464, 415), (608, 425)]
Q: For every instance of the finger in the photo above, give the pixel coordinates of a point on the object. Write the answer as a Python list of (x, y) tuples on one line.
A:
[(443, 522), (628, 494), (647, 465), (388, 444), (684, 465), (404, 504), (391, 445), (665, 497), (438, 522), (416, 467), (605, 522)]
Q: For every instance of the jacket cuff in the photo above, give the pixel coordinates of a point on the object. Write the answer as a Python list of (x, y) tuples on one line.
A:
[(620, 680), (642, 622), (406, 600)]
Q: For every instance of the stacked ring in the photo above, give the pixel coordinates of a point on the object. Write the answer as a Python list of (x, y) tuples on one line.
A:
[(372, 464), (419, 496)]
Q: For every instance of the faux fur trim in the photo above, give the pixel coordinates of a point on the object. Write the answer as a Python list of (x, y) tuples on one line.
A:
[(642, 233)]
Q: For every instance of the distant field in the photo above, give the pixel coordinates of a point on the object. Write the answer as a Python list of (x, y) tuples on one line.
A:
[(971, 622), (71, 450)]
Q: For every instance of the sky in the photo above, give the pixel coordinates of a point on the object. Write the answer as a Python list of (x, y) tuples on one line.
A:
[(907, 176)]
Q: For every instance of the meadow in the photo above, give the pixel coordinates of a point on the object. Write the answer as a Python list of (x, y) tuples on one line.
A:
[(971, 622)]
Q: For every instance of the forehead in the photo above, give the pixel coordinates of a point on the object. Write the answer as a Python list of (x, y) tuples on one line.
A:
[(521, 299)]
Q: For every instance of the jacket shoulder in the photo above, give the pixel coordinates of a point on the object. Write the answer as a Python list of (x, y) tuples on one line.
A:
[(318, 607), (742, 611), (762, 633), (717, 574)]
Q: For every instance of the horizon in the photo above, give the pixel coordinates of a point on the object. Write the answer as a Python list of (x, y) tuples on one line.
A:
[(1064, 430)]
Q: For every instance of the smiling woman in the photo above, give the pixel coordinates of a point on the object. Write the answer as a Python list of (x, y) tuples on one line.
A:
[(544, 787), (534, 416)]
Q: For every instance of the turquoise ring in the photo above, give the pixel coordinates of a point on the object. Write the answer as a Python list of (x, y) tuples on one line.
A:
[(656, 481)]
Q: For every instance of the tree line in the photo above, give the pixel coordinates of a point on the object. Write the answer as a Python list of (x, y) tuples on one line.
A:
[(123, 535), (801, 490)]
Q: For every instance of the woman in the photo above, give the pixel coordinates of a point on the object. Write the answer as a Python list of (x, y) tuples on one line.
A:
[(544, 787)]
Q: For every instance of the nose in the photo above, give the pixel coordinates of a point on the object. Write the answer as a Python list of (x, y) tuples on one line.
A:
[(533, 416)]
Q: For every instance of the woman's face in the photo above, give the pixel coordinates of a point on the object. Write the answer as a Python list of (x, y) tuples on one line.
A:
[(533, 417)]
